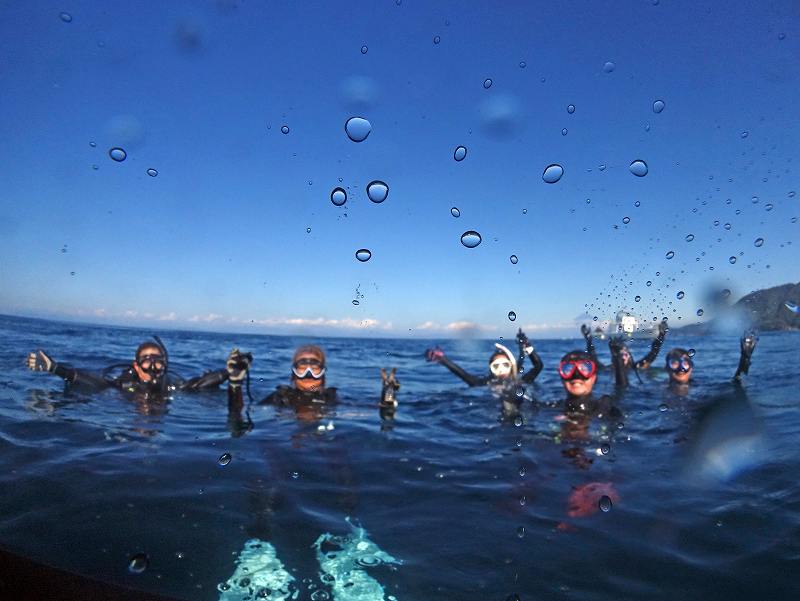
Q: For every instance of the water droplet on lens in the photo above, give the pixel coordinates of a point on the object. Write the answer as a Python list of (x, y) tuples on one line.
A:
[(436, 39), (662, 407), (609, 67), (512, 316), (658, 106), (731, 260), (518, 421), (377, 191), (455, 212), (284, 129), (637, 204), (726, 293), (570, 108), (680, 294), (744, 134), (605, 448), (648, 283), (626, 220), (670, 254), (564, 132), (357, 128), (364, 49), (72, 273), (522, 64), (552, 173), (699, 312), (637, 298), (605, 504), (460, 153), (691, 352), (513, 259), (308, 230), (152, 172), (487, 83), (138, 563), (759, 242), (638, 168), (768, 206), (118, 154), (689, 237), (225, 459), (521, 532), (356, 302), (93, 144), (66, 17), (363, 255), (470, 239), (338, 196)]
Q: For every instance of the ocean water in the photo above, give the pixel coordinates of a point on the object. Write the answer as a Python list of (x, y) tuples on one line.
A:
[(689, 496)]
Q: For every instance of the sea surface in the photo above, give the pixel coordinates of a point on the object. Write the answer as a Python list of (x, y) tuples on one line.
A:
[(692, 494)]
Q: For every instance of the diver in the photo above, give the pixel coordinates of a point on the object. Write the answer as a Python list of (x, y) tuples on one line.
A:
[(148, 374), (625, 354), (307, 389), (504, 367), (578, 372), (680, 366)]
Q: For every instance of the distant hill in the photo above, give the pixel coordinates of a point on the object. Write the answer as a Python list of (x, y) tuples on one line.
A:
[(765, 310)]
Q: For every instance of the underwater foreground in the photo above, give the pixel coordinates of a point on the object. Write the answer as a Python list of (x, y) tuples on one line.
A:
[(692, 495)]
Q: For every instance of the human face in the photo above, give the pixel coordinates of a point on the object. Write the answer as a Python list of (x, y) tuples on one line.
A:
[(680, 377), (150, 359), (500, 366), (578, 387), (680, 369), (308, 365)]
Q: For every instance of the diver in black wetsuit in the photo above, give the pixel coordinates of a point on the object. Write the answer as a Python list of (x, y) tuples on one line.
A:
[(624, 353), (147, 374), (307, 394), (680, 365), (503, 366)]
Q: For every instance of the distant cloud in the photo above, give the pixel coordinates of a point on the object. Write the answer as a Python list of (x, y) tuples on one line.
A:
[(100, 312), (206, 318), (168, 317), (428, 325), (130, 313)]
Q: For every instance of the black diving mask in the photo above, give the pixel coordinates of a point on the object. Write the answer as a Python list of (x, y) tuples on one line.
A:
[(154, 365)]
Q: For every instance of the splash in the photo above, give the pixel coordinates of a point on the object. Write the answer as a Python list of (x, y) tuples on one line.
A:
[(257, 569)]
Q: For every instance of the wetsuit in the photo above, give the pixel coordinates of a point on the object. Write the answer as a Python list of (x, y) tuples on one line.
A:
[(473, 380), (289, 396), (129, 380)]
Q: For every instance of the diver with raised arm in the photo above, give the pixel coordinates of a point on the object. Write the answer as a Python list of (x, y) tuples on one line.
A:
[(680, 365), (625, 354), (504, 367), (148, 373)]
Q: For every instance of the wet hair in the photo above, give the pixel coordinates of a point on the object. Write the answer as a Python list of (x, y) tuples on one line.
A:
[(678, 353), (309, 349), (577, 355), (148, 344)]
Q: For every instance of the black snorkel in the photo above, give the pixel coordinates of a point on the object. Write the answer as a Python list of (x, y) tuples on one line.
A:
[(161, 380)]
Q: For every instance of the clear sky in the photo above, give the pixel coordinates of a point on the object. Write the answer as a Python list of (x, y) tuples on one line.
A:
[(220, 239)]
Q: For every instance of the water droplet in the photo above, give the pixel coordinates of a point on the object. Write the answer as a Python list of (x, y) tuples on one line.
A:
[(648, 283), (662, 407), (638, 168), (455, 212), (522, 64), (513, 259), (727, 226), (680, 294), (602, 167), (518, 421), (637, 204), (689, 237), (670, 254), (605, 504), (570, 108), (225, 459), (626, 220), (609, 67), (356, 302), (564, 132), (357, 128), (791, 194), (377, 191), (308, 230), (759, 242), (363, 255), (522, 471), (364, 49), (487, 83), (781, 36), (138, 563), (284, 129), (553, 173), (524, 211), (66, 17), (769, 206), (436, 39), (699, 312), (512, 316), (470, 239), (726, 293), (731, 260), (658, 106), (521, 532), (691, 352), (605, 448), (152, 172), (72, 273), (460, 153), (338, 197), (93, 144), (637, 298), (295, 475), (118, 154)]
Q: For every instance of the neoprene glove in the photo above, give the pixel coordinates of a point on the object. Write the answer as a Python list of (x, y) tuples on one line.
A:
[(663, 328), (748, 343), (434, 354), (39, 361), (237, 365), (585, 331)]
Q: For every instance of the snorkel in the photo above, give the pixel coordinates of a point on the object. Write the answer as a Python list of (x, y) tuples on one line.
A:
[(497, 370), (154, 366)]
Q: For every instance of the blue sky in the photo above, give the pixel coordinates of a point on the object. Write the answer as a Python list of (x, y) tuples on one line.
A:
[(199, 91)]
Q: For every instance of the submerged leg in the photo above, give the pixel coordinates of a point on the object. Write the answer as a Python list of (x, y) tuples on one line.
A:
[(259, 573)]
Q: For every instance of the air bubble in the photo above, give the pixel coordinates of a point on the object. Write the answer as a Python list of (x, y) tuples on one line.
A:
[(626, 220), (225, 459), (377, 191), (460, 153), (487, 83), (689, 237), (470, 239), (455, 212), (512, 316), (638, 168), (363, 255), (357, 128), (670, 254), (680, 294), (609, 67), (118, 154), (553, 173), (138, 563), (513, 259), (66, 17), (570, 108), (605, 504), (759, 242), (338, 196), (284, 129), (658, 106)]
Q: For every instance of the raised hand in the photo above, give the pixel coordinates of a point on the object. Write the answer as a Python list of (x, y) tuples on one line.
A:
[(39, 361), (237, 365), (434, 354)]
